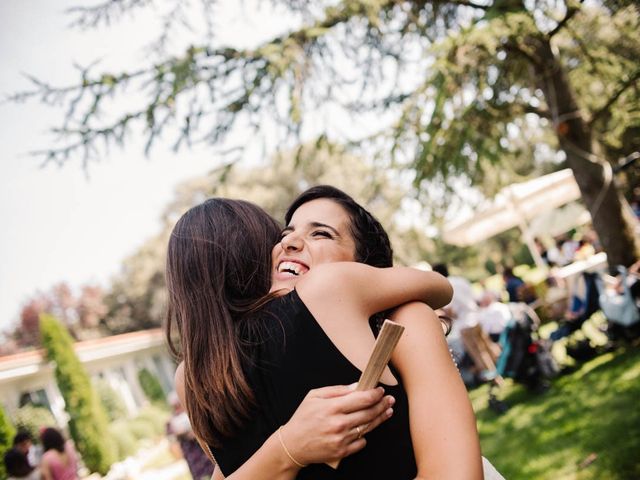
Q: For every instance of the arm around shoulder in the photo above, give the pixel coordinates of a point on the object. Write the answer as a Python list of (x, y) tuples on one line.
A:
[(373, 289)]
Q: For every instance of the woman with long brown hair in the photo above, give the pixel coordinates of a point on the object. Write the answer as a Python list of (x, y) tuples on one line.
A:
[(320, 232)]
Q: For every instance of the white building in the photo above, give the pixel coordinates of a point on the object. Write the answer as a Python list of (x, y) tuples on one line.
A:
[(27, 377)]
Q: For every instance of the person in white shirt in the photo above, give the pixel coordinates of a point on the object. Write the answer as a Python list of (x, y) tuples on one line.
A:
[(493, 315), (466, 334)]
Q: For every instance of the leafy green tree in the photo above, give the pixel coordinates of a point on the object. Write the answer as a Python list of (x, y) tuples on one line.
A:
[(151, 387), (79, 311), (136, 300), (88, 420), (458, 85), (136, 297), (7, 432), (111, 400)]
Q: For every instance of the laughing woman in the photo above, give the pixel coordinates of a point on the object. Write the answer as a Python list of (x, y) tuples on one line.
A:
[(250, 358)]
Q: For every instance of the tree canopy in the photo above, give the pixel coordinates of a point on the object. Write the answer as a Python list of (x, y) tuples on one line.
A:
[(137, 296), (441, 90)]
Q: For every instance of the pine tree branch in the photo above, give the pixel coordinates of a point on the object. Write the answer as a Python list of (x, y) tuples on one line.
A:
[(631, 81), (463, 3), (542, 113), (103, 13), (517, 49), (571, 11)]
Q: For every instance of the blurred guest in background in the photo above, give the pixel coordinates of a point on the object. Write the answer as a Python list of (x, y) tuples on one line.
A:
[(511, 284), (59, 460), (17, 466), (24, 443), (493, 315), (179, 430)]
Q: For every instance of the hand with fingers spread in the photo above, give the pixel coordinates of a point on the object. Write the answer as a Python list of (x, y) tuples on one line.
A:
[(331, 422)]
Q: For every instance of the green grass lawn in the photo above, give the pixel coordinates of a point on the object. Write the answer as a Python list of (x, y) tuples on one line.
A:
[(586, 427)]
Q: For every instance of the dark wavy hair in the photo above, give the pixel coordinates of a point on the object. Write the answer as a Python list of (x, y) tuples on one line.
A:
[(16, 463), (52, 439), (373, 246), (218, 271)]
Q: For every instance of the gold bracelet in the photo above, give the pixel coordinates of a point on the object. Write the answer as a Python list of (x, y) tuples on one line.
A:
[(287, 451)]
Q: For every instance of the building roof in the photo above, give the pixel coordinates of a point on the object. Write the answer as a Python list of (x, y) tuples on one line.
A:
[(27, 363)]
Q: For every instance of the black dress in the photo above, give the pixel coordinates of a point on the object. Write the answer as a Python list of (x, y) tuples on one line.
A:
[(293, 356)]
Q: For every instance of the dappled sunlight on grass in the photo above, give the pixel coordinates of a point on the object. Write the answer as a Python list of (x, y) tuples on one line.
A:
[(586, 427)]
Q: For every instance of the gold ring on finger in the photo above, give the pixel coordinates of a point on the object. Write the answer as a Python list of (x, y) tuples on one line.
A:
[(359, 430)]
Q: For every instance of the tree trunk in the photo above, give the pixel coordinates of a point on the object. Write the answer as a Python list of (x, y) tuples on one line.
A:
[(612, 217)]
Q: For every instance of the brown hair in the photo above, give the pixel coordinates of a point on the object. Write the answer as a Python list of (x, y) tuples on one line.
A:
[(372, 243), (218, 269), (52, 439), (373, 246)]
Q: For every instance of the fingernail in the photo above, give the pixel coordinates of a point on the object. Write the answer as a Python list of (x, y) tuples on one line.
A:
[(389, 412), (352, 386), (391, 400)]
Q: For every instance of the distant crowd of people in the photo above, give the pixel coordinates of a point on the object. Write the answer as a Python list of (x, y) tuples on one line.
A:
[(53, 459), (479, 317), (476, 324), (564, 249)]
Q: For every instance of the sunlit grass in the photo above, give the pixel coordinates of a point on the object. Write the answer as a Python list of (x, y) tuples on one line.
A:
[(586, 427)]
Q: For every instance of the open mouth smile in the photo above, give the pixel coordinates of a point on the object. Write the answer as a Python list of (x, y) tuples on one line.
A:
[(295, 269)]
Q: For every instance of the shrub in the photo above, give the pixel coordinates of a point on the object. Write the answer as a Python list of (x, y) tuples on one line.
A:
[(111, 400), (156, 417), (88, 424), (125, 442), (7, 431), (151, 387), (142, 429), (148, 424), (32, 417)]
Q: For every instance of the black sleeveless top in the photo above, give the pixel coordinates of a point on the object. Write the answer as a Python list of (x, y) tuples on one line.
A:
[(293, 356)]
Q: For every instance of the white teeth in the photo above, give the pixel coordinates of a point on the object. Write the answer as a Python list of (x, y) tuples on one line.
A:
[(290, 267)]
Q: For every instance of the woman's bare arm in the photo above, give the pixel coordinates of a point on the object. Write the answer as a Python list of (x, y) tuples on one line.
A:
[(364, 290), (357, 291), (443, 424), (322, 429)]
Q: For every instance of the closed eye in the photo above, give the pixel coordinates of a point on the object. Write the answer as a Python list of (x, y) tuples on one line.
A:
[(322, 233)]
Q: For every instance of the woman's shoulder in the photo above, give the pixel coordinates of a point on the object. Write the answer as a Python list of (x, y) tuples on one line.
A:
[(48, 454)]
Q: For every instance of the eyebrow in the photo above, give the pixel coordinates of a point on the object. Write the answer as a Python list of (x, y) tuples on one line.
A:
[(290, 228)]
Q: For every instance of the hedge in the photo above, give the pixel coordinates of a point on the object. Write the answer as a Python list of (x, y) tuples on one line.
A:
[(88, 424), (151, 387), (7, 433)]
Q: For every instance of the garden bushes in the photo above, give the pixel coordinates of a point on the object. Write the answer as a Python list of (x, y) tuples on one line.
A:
[(111, 400), (31, 418), (150, 423), (88, 424), (151, 387), (7, 431)]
